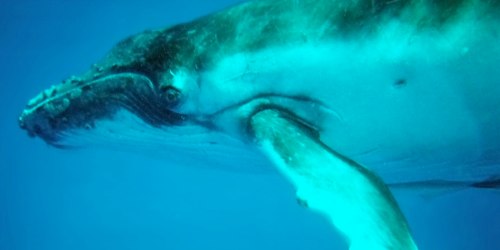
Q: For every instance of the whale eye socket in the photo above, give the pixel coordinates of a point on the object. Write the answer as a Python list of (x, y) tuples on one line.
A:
[(171, 94)]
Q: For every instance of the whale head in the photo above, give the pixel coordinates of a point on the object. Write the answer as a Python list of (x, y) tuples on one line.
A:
[(127, 79)]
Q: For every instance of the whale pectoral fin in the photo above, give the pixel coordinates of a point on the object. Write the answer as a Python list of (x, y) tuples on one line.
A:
[(356, 201)]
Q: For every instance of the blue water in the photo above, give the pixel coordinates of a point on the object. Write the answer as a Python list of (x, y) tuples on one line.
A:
[(98, 199)]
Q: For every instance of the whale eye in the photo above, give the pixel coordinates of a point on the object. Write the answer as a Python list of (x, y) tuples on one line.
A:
[(171, 94)]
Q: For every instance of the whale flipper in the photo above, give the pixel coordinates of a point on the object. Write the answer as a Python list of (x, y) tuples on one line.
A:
[(356, 201)]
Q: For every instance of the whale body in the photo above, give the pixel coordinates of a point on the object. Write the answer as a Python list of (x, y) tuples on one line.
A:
[(342, 96)]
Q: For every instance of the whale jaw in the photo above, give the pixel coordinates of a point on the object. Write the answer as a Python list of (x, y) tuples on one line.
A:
[(76, 104)]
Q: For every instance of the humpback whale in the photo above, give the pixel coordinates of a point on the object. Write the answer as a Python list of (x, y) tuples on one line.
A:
[(342, 96)]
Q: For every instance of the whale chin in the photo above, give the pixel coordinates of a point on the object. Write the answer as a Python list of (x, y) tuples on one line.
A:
[(123, 131), (119, 129)]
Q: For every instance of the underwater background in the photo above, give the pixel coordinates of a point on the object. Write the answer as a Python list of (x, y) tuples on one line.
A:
[(102, 199)]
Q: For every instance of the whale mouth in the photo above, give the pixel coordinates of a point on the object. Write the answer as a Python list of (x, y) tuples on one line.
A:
[(77, 104)]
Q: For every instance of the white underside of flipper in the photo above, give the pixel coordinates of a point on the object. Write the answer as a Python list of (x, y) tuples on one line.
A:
[(356, 202)]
